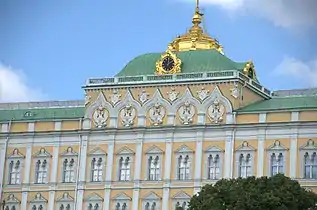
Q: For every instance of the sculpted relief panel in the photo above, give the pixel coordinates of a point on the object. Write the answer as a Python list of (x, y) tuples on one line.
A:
[(179, 108)]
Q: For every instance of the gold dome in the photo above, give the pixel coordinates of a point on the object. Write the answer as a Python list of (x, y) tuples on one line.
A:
[(195, 38)]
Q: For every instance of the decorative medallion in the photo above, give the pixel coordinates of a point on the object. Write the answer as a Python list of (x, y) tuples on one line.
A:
[(186, 113), (172, 96), (87, 99), (100, 117), (157, 113), (203, 94), (216, 111), (128, 114), (169, 63), (143, 96), (115, 97), (235, 91)]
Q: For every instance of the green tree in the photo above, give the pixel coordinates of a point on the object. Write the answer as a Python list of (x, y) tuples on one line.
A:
[(274, 193)]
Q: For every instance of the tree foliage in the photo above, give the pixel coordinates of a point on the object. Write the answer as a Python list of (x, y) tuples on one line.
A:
[(274, 193)]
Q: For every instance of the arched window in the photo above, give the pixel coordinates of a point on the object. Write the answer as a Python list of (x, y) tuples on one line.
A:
[(213, 167), (96, 169), (41, 172), (277, 164), (245, 165), (183, 167), (310, 166), (154, 168), (124, 167), (69, 170), (14, 170)]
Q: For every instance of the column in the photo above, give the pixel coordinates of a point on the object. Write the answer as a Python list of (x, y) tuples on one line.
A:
[(229, 148), (27, 164), (109, 168), (167, 170), (51, 200), (2, 165), (137, 172), (261, 153), (198, 161)]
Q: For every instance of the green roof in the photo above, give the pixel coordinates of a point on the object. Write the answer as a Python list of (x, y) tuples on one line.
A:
[(42, 114), (192, 61), (282, 103)]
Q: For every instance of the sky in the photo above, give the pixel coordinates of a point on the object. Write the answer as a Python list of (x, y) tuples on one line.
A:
[(49, 48)]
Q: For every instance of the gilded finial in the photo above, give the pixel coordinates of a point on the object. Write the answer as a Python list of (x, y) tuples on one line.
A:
[(197, 18)]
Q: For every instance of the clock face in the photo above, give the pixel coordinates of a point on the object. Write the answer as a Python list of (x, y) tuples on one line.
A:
[(168, 63)]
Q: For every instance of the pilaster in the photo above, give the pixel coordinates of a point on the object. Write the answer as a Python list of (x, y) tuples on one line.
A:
[(24, 200), (167, 170), (229, 146), (293, 153), (137, 172), (27, 164), (55, 158), (261, 151), (83, 157), (79, 199), (51, 200), (109, 168), (198, 161)]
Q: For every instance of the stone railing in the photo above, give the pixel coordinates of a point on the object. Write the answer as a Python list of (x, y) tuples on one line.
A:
[(168, 78)]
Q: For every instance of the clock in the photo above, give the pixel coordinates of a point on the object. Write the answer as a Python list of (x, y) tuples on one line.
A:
[(168, 63)]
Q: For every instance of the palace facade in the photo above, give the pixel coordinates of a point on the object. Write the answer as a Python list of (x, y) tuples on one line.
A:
[(153, 135)]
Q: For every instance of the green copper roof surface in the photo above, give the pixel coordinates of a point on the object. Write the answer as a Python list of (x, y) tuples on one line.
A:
[(41, 114), (282, 103), (192, 61)]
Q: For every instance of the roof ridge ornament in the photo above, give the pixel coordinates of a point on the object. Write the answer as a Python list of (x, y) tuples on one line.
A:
[(195, 38)]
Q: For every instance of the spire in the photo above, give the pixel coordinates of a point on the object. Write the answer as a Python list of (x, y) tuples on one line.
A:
[(195, 38)]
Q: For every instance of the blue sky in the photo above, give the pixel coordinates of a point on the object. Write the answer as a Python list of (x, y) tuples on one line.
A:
[(49, 48)]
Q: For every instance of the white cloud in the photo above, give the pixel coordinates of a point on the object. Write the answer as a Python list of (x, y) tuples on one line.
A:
[(13, 86), (284, 13), (305, 73)]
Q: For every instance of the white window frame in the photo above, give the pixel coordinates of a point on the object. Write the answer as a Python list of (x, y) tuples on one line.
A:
[(213, 151), (246, 150), (42, 155), (277, 149), (65, 200), (181, 198), (12, 203), (93, 200), (310, 148), (37, 202), (121, 199), (125, 153), (14, 158), (184, 151), (153, 152), (97, 153), (69, 154), (151, 198)]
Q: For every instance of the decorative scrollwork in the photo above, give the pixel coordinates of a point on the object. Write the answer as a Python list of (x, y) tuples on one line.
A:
[(156, 114), (100, 117), (186, 113), (128, 114), (216, 111)]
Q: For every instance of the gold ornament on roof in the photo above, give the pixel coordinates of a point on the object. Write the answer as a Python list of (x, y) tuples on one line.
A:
[(195, 38), (248, 70), (169, 63)]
